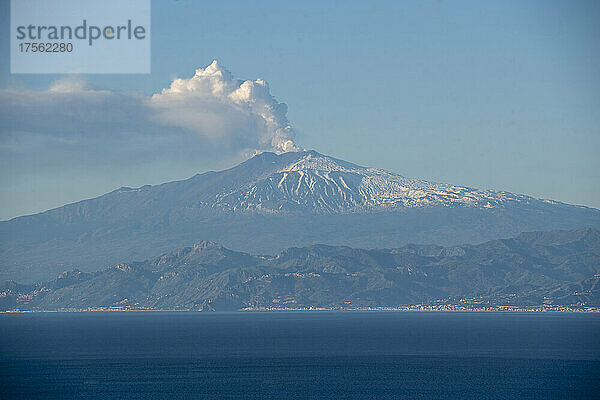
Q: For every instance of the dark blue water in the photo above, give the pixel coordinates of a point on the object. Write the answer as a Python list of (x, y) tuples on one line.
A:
[(349, 355)]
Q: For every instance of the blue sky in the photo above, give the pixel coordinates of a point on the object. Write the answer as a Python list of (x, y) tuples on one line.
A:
[(502, 95)]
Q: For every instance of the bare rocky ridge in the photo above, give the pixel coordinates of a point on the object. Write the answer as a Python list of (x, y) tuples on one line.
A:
[(560, 268)]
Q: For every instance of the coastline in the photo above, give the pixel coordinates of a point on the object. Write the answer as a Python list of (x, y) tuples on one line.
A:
[(408, 308)]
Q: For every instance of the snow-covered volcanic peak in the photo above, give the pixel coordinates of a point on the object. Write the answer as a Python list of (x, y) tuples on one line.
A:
[(311, 160), (318, 183)]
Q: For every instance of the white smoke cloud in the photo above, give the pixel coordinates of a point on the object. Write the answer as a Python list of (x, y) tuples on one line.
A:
[(215, 105), (212, 108)]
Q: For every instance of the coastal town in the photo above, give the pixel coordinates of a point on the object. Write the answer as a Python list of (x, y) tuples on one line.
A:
[(412, 307)]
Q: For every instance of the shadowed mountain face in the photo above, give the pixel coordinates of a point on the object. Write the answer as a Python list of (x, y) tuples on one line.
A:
[(266, 204), (556, 268)]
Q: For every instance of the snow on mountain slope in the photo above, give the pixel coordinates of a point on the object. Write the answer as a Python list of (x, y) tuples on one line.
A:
[(314, 182), (267, 203)]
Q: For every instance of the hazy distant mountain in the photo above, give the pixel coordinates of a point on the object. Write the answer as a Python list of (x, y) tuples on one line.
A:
[(266, 204), (560, 268)]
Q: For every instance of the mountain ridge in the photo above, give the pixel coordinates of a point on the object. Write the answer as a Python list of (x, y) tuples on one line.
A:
[(267, 203), (515, 272)]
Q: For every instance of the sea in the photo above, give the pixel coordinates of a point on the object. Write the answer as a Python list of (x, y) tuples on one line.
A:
[(300, 355)]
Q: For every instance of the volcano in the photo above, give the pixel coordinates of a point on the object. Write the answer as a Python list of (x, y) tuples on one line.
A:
[(268, 203)]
